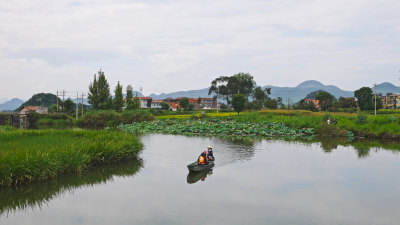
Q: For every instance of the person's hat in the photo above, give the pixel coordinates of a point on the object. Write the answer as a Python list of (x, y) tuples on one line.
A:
[(209, 147), (204, 152)]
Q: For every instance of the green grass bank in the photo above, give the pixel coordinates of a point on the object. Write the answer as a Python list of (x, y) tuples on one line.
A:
[(34, 155)]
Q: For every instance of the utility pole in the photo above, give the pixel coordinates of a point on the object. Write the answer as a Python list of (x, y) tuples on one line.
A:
[(83, 95), (77, 98), (288, 98), (57, 101), (375, 98), (63, 94)]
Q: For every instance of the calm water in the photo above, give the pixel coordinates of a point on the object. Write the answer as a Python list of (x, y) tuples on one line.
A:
[(253, 182)]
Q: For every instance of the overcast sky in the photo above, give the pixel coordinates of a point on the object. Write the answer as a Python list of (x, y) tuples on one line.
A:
[(173, 45)]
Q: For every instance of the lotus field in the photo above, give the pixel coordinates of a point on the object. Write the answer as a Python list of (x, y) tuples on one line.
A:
[(215, 127)]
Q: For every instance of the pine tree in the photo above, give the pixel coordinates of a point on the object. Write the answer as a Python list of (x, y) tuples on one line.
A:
[(118, 102), (129, 98), (99, 92), (136, 102)]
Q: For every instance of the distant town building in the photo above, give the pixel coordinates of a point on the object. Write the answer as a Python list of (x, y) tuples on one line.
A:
[(174, 103), (391, 101), (314, 101), (37, 109), (156, 104), (145, 102)]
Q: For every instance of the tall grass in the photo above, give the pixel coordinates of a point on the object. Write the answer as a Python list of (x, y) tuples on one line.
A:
[(32, 155)]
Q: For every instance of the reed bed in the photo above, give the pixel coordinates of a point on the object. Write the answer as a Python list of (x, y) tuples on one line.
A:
[(34, 155)]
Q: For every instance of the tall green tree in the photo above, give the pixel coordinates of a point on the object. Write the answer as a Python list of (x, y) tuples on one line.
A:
[(241, 83), (260, 97), (129, 97), (326, 100), (238, 102), (118, 101), (68, 105), (345, 102), (99, 92), (220, 89), (226, 86), (136, 103), (164, 106), (184, 102), (365, 98)]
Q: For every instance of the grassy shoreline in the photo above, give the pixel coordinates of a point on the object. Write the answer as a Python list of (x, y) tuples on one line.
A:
[(34, 155)]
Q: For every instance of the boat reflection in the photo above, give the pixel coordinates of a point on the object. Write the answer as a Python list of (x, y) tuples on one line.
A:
[(193, 177)]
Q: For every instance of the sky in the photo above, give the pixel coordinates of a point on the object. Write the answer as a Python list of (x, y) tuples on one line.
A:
[(165, 46)]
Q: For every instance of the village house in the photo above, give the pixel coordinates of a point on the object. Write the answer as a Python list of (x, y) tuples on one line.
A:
[(156, 104), (145, 102), (314, 101), (38, 109)]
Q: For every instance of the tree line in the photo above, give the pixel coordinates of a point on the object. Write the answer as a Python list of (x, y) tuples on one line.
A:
[(363, 99), (100, 98), (238, 89)]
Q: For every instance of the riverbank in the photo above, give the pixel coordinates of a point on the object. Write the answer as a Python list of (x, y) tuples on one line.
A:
[(34, 155)]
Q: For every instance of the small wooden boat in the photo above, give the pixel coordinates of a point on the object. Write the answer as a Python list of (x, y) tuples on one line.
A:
[(196, 167)]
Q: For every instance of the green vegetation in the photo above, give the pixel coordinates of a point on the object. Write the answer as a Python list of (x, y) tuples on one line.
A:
[(41, 99), (238, 101), (34, 155), (215, 126), (98, 119), (99, 92), (118, 101), (385, 126)]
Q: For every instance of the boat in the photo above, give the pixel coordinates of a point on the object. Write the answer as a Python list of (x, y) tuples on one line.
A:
[(196, 167)]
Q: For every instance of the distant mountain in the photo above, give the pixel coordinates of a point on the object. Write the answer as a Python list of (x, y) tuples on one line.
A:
[(190, 94), (3, 100), (299, 92), (386, 87), (45, 99), (11, 105), (295, 93)]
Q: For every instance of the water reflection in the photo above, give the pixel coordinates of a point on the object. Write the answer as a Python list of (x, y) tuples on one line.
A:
[(38, 194), (362, 146), (193, 177)]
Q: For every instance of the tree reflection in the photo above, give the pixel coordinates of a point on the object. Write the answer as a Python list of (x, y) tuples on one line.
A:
[(362, 146), (37, 194)]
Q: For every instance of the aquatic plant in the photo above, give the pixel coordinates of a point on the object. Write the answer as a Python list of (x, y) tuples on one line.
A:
[(215, 126)]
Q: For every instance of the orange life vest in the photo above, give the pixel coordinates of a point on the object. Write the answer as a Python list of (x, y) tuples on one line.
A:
[(201, 160)]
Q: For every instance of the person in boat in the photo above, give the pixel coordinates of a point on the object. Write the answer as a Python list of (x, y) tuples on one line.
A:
[(202, 160), (210, 153)]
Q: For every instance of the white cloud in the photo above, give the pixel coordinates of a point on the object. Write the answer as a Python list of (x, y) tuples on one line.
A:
[(180, 45)]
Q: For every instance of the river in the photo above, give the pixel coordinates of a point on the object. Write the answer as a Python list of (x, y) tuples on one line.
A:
[(253, 182)]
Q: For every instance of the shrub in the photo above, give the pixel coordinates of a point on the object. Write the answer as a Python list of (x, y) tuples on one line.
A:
[(326, 116), (361, 118), (99, 119), (325, 129), (130, 116)]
